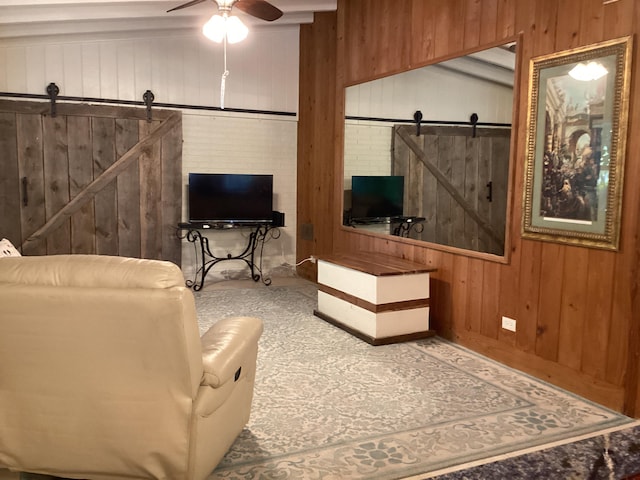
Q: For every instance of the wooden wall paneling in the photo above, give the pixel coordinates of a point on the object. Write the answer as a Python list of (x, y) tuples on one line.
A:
[(598, 297), (443, 301), (106, 201), (528, 295), (567, 25), (31, 168), (622, 360), (591, 21), (422, 32), (505, 22), (472, 14), (623, 363), (511, 302), (390, 18), (56, 176), (10, 197), (128, 190), (304, 205), (488, 21), (546, 19), (150, 195), (573, 307), (171, 190), (490, 310), (449, 30), (523, 283), (473, 300), (459, 293), (551, 285), (80, 176)]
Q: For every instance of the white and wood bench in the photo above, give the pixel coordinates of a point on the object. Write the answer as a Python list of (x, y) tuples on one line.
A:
[(378, 298)]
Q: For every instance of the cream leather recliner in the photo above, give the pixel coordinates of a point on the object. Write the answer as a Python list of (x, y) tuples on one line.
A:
[(103, 374)]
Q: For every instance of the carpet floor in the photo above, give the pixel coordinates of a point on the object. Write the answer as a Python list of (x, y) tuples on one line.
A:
[(329, 406)]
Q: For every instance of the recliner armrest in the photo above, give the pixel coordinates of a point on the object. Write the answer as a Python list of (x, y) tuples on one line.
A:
[(225, 346)]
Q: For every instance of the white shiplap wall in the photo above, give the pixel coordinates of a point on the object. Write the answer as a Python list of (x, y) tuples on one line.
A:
[(186, 69)]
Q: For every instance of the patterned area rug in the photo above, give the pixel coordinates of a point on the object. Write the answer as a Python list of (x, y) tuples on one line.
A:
[(328, 405)]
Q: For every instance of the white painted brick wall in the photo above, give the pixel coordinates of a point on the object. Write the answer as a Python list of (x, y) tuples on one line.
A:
[(239, 143), (186, 69)]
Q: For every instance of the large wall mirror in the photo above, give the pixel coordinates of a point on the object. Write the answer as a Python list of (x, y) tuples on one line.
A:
[(426, 152)]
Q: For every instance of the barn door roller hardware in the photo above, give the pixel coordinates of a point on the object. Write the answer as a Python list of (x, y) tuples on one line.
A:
[(148, 98), (474, 122), (418, 118), (53, 91)]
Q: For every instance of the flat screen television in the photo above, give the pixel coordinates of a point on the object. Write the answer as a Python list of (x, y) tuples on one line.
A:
[(230, 198), (376, 197)]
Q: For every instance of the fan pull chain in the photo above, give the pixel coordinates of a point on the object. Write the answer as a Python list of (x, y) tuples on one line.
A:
[(225, 74)]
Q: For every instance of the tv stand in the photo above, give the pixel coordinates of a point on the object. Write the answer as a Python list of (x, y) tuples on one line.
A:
[(205, 259)]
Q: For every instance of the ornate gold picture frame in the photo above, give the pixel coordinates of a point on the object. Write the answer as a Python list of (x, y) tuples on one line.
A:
[(576, 135)]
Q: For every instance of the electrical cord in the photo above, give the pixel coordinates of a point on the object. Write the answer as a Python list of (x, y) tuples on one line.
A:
[(311, 259)]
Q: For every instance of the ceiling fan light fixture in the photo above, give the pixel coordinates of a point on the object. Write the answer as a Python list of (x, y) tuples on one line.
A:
[(588, 72), (220, 26)]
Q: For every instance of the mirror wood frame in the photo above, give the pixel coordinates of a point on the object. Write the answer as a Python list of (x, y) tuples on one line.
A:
[(511, 175)]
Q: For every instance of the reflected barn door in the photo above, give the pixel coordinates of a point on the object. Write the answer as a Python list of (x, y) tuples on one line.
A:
[(458, 181)]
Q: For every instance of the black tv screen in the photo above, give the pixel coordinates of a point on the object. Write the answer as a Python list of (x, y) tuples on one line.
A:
[(376, 196), (233, 198)]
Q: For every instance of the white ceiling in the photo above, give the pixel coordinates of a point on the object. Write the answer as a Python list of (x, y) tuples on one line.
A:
[(27, 18)]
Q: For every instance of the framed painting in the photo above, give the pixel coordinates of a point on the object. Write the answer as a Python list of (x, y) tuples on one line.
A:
[(576, 136)]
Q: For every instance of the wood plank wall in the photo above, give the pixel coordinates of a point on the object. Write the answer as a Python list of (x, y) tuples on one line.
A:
[(577, 309)]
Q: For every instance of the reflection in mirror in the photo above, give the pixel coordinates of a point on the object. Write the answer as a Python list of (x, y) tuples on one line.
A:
[(426, 153)]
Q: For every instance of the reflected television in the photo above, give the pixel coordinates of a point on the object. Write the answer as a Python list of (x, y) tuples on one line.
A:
[(376, 196)]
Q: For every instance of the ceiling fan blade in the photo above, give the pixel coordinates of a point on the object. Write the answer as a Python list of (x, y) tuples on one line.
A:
[(185, 5), (260, 9)]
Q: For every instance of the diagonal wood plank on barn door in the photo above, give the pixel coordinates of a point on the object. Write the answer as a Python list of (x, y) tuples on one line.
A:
[(93, 179), (454, 170)]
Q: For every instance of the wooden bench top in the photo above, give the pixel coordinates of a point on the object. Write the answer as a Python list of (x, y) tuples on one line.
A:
[(377, 264)]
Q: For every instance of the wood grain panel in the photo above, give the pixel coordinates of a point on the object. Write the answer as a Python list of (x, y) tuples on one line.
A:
[(171, 189), (80, 176), (9, 188), (506, 22), (150, 196), (551, 285), (471, 24), (490, 310), (622, 359), (573, 308), (422, 32), (128, 188), (69, 160), (106, 201), (449, 31), (488, 21), (56, 176), (31, 178), (573, 305)]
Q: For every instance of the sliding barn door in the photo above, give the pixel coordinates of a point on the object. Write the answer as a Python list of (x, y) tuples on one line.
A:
[(91, 179), (459, 179)]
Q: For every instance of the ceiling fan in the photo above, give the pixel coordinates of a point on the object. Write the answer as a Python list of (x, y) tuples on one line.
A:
[(226, 28), (256, 8)]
